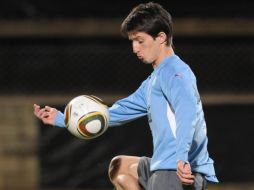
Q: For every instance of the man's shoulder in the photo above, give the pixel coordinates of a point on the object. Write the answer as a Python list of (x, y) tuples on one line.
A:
[(176, 67)]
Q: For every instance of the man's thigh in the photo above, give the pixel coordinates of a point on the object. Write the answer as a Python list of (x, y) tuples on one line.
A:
[(168, 180), (165, 179)]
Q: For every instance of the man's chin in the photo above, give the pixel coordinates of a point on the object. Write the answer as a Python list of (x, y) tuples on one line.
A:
[(145, 61)]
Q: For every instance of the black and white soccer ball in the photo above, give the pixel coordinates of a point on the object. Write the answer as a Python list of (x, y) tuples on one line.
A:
[(86, 117)]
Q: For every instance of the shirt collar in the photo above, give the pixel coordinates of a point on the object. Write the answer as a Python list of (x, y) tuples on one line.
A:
[(165, 61)]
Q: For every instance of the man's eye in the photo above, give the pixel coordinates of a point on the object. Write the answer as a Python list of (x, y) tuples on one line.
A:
[(140, 42)]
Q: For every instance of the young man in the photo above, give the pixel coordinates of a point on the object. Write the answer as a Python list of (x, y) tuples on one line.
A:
[(170, 99)]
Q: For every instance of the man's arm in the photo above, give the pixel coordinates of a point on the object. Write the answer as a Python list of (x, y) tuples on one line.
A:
[(130, 108), (181, 93)]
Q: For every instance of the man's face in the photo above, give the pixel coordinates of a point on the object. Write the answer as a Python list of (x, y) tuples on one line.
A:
[(145, 47)]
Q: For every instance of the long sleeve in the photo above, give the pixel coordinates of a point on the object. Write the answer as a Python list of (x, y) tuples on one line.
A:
[(182, 93), (185, 103), (130, 108)]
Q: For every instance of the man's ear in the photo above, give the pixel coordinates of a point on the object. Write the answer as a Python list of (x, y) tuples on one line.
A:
[(162, 37)]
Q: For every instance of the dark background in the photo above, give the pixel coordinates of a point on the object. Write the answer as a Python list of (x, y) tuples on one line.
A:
[(107, 65), (33, 64), (24, 9), (70, 162)]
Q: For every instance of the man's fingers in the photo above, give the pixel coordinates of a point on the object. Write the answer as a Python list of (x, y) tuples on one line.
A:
[(40, 112), (187, 167), (187, 183), (47, 108), (183, 168), (35, 105), (45, 114), (185, 175), (186, 179), (36, 108)]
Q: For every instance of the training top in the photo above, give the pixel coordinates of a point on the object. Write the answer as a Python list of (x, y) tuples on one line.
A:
[(170, 99)]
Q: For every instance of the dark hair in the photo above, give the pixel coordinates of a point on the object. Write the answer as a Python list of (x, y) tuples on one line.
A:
[(150, 18)]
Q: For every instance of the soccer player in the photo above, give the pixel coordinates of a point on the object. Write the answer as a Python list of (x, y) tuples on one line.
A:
[(170, 100)]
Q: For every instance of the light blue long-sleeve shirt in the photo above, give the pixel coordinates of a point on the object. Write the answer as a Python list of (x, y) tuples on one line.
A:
[(170, 99)]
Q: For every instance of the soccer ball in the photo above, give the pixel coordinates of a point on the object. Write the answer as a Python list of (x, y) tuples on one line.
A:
[(86, 117)]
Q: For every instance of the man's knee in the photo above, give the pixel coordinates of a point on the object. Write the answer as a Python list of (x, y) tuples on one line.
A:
[(123, 165), (122, 179), (114, 167), (123, 172)]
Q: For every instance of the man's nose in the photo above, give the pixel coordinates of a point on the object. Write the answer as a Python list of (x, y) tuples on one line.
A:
[(134, 48)]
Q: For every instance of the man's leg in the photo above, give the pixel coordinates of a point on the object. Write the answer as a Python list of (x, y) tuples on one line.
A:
[(123, 172), (163, 179)]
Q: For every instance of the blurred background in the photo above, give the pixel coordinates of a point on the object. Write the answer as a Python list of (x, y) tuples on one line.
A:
[(52, 51)]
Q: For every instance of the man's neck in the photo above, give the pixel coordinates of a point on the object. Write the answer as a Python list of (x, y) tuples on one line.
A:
[(167, 51)]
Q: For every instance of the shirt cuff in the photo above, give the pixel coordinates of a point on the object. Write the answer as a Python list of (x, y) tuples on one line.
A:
[(59, 120)]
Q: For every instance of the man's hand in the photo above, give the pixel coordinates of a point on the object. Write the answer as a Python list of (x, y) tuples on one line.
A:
[(184, 173), (46, 114)]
